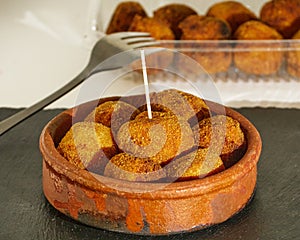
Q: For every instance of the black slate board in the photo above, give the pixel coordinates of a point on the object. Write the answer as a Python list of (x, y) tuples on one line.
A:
[(272, 214)]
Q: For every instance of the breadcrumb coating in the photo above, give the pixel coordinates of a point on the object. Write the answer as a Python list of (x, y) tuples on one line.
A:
[(127, 167), (113, 114), (123, 16), (172, 15), (233, 12), (223, 134), (197, 27), (195, 165), (282, 15), (264, 60), (160, 139), (88, 145), (167, 147), (181, 104), (157, 29)]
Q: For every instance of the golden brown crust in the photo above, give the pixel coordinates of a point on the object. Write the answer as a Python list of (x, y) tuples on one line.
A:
[(198, 105), (146, 149), (160, 139), (293, 57), (88, 145), (195, 165), (185, 106), (256, 30), (172, 15), (259, 61), (283, 15), (123, 16), (113, 114), (127, 167), (156, 62), (197, 27), (235, 13), (221, 133), (181, 104), (157, 29)]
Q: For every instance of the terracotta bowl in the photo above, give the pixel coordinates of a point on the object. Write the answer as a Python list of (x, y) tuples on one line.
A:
[(145, 208)]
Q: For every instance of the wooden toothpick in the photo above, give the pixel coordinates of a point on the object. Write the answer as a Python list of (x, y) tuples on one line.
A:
[(146, 83)]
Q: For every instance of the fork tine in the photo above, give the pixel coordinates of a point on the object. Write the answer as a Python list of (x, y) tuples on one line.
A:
[(138, 39), (143, 44), (125, 35), (135, 34)]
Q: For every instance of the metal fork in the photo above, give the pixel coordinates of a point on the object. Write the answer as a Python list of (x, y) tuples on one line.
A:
[(106, 47)]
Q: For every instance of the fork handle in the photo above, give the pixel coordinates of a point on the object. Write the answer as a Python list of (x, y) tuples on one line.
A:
[(18, 117)]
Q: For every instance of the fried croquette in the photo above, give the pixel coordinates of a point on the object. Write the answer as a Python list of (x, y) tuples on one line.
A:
[(254, 30), (211, 59), (195, 165), (156, 62), (198, 105), (127, 167), (113, 114), (254, 58), (235, 13), (88, 145), (223, 135), (181, 104), (123, 16), (282, 15), (293, 57), (158, 149), (196, 27), (172, 15), (160, 138), (157, 29)]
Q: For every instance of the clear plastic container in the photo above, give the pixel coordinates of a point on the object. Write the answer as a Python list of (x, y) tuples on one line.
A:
[(226, 59)]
